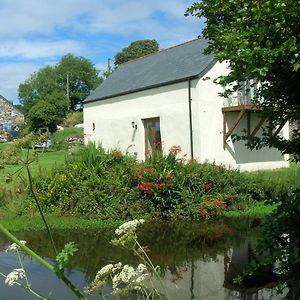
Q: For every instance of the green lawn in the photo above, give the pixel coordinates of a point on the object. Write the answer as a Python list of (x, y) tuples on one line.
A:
[(3, 146), (44, 162)]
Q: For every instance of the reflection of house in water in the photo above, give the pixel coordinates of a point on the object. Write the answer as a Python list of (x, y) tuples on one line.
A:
[(214, 279), (257, 286)]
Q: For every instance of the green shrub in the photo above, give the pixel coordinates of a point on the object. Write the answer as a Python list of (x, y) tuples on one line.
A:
[(113, 185), (72, 119), (92, 183)]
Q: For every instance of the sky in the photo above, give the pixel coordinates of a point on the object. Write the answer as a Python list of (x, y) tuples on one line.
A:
[(36, 33)]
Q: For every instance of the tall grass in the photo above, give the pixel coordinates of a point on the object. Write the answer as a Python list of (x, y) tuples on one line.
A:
[(277, 182), (60, 137)]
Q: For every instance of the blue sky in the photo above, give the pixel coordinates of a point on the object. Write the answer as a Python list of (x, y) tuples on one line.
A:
[(36, 33)]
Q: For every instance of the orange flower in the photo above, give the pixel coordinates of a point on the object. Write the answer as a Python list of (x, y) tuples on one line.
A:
[(169, 175), (175, 149)]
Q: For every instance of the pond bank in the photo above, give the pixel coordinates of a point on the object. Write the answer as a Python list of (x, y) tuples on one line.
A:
[(58, 222)]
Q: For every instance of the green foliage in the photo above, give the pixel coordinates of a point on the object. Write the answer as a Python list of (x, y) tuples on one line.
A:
[(135, 50), (259, 39), (282, 237), (92, 183), (48, 112), (82, 78), (48, 94), (63, 257), (113, 185), (67, 137), (73, 118)]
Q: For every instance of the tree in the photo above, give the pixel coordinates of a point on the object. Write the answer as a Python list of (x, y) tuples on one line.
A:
[(259, 39), (48, 112), (78, 76), (48, 95), (73, 76), (37, 87), (135, 50)]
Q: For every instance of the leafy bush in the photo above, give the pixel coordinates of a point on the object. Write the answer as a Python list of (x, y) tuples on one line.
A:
[(92, 183), (113, 185), (72, 119)]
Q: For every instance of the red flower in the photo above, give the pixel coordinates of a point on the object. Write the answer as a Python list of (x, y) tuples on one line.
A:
[(159, 185), (220, 204), (175, 149), (138, 174), (169, 176), (207, 186), (146, 187)]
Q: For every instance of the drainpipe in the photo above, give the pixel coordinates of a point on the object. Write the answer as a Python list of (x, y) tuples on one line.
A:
[(191, 119)]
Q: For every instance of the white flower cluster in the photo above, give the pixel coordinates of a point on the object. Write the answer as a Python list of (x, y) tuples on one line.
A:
[(13, 277), (130, 277), (14, 246), (130, 225), (124, 278), (106, 270)]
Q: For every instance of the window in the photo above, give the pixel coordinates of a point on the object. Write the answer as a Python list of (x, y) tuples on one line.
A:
[(152, 135)]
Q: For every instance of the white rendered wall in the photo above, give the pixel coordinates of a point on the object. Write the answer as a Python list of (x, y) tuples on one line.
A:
[(209, 123), (113, 119)]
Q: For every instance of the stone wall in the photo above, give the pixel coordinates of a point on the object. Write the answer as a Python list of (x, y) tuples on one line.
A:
[(9, 114)]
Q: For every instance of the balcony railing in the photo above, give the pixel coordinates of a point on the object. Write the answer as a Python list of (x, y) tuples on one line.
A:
[(244, 96)]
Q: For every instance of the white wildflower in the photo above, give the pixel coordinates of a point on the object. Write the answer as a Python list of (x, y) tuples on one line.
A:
[(142, 268), (105, 270), (13, 277), (130, 225), (14, 246), (130, 276), (117, 266)]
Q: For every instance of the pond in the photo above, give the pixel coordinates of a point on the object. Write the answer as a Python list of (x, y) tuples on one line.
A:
[(197, 260)]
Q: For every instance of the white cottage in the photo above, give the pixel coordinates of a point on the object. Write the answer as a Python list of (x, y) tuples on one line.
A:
[(170, 98)]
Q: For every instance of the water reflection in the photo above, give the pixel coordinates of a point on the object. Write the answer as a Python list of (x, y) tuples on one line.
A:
[(197, 260)]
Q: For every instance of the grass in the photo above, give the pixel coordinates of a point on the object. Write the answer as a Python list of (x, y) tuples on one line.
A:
[(283, 176), (46, 160), (60, 136), (3, 146), (55, 222), (258, 210)]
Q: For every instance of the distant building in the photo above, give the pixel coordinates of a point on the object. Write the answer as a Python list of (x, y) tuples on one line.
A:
[(9, 114)]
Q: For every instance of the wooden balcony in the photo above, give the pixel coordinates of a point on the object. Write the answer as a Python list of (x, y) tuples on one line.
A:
[(244, 110), (242, 101)]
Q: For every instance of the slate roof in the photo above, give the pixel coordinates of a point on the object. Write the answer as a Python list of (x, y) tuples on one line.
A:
[(167, 66)]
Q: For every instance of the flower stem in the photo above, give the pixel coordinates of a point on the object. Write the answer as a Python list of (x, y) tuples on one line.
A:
[(43, 263), (35, 196)]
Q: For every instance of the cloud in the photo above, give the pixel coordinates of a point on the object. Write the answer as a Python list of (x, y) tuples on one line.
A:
[(36, 32), (19, 17), (26, 49), (131, 17), (12, 75), (144, 18)]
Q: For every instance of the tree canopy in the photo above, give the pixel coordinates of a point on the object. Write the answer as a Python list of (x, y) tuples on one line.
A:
[(135, 50), (259, 39), (57, 89)]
